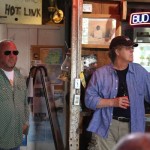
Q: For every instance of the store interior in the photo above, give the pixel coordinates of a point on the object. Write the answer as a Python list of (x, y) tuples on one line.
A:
[(55, 47)]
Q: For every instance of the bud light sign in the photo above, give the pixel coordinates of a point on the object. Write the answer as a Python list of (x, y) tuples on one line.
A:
[(141, 18)]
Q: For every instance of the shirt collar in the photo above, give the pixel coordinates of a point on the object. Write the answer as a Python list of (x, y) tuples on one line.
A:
[(112, 68)]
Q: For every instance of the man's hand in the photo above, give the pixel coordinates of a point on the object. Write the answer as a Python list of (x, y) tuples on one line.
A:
[(25, 129), (122, 102)]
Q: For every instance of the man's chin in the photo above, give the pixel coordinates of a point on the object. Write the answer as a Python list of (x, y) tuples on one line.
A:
[(131, 60), (10, 68)]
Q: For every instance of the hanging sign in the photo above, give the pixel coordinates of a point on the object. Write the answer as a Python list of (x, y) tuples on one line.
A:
[(140, 18), (21, 11)]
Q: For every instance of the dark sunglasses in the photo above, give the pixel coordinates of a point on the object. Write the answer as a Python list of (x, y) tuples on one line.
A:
[(11, 52)]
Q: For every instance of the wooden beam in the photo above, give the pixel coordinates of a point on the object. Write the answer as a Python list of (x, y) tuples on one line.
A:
[(124, 9), (141, 1)]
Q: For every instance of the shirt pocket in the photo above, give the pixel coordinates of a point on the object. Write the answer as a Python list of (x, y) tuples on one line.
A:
[(4, 95), (106, 91), (20, 96), (140, 87)]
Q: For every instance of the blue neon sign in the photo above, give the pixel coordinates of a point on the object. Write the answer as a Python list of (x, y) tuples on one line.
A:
[(140, 18)]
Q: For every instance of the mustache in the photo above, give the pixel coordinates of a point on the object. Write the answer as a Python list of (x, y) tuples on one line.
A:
[(12, 60)]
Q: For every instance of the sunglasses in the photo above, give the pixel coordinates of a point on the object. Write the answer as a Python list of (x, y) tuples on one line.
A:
[(11, 52)]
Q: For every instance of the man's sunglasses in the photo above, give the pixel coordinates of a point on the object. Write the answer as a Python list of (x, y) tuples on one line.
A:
[(11, 52)]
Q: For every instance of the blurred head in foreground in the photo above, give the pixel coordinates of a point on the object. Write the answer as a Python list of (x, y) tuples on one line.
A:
[(134, 141)]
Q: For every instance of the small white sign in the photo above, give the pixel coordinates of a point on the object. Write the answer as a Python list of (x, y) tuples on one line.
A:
[(87, 7), (77, 83), (76, 99)]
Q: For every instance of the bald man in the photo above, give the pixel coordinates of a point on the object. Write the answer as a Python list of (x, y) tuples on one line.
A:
[(134, 141), (13, 99)]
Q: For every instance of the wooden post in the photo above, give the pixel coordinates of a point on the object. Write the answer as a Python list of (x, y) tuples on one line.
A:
[(75, 71)]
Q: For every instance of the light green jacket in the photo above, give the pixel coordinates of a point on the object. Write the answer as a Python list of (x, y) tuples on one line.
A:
[(14, 110)]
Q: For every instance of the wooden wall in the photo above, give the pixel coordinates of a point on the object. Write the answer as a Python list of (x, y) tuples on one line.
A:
[(102, 9)]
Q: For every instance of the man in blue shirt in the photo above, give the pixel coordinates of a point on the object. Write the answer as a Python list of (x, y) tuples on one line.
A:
[(116, 93)]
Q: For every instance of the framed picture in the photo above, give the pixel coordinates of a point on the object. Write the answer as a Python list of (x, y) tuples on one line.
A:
[(98, 30), (51, 57)]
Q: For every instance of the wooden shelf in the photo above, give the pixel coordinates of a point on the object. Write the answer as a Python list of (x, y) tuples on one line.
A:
[(141, 1), (54, 24), (101, 16), (145, 1), (94, 46)]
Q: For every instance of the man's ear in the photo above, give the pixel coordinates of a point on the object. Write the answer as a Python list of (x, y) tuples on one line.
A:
[(117, 52)]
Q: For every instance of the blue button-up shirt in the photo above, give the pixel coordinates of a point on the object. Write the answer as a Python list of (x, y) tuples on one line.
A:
[(104, 84)]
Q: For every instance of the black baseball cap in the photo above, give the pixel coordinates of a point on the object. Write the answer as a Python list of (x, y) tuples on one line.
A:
[(121, 40)]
